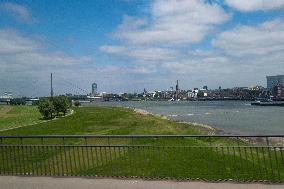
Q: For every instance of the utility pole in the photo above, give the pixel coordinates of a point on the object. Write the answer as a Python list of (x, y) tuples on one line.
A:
[(51, 87)]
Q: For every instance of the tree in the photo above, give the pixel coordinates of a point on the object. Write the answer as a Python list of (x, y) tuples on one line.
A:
[(200, 94), (61, 104), (46, 108)]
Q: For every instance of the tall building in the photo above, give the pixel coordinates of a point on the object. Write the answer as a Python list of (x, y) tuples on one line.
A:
[(273, 81), (94, 89)]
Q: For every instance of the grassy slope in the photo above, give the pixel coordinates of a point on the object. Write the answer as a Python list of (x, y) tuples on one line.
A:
[(106, 120), (193, 162), (15, 116)]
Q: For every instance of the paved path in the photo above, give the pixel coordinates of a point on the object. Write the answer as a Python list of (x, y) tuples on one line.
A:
[(12, 182)]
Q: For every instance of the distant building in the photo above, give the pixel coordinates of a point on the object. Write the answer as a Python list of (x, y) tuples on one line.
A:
[(273, 81), (94, 89), (205, 87)]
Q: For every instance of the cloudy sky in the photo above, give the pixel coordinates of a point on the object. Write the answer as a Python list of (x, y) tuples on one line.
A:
[(129, 45)]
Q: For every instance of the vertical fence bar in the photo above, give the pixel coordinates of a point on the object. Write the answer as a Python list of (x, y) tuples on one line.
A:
[(246, 158), (7, 160), (102, 163), (53, 161), (235, 164), (32, 160), (19, 160), (70, 160), (110, 160), (79, 160), (106, 158), (224, 162), (253, 167), (74, 158), (40, 161), (277, 166), (115, 162), (57, 160), (258, 161), (65, 160), (125, 161), (15, 160), (265, 166), (3, 160), (269, 155), (48, 161), (11, 160), (61, 160), (99, 173), (88, 160), (93, 162)]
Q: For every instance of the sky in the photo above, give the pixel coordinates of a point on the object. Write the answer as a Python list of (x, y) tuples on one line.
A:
[(129, 45)]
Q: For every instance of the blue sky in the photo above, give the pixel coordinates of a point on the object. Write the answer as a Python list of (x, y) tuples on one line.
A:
[(128, 45)]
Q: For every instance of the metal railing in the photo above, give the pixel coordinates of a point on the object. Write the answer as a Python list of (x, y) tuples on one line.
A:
[(224, 157)]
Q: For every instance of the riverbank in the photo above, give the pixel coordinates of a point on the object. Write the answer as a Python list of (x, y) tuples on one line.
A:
[(211, 130), (231, 117)]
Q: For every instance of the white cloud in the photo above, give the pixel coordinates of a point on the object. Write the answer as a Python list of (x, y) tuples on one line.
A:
[(20, 50), (13, 42), (262, 40), (19, 12), (255, 5), (141, 54), (173, 22)]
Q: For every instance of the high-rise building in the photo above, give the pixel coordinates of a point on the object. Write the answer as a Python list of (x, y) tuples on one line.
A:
[(273, 81), (94, 89)]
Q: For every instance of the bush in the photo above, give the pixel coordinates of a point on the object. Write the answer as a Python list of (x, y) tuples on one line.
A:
[(46, 108), (35, 103), (77, 103), (18, 101)]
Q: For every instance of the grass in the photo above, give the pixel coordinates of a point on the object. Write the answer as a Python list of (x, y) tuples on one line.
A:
[(107, 120), (16, 116), (190, 158)]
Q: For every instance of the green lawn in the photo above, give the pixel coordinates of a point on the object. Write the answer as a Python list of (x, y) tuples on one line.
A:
[(106, 120), (16, 116), (191, 158)]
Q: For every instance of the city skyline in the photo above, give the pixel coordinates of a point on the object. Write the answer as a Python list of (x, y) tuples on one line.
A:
[(130, 45)]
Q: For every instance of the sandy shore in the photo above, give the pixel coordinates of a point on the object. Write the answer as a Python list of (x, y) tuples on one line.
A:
[(212, 130)]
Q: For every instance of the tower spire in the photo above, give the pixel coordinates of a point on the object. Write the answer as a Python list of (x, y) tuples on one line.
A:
[(51, 87)]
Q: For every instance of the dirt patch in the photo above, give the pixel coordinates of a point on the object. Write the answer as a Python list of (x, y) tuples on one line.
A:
[(140, 111)]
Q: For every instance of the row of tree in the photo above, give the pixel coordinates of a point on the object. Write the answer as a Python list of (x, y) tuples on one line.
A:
[(51, 106), (18, 101)]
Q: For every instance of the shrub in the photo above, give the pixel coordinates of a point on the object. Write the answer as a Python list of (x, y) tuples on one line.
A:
[(77, 103)]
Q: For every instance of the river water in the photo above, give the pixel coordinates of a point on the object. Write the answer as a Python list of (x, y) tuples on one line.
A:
[(237, 117)]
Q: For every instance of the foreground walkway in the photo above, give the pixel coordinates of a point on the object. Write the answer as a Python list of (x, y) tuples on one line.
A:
[(12, 182)]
